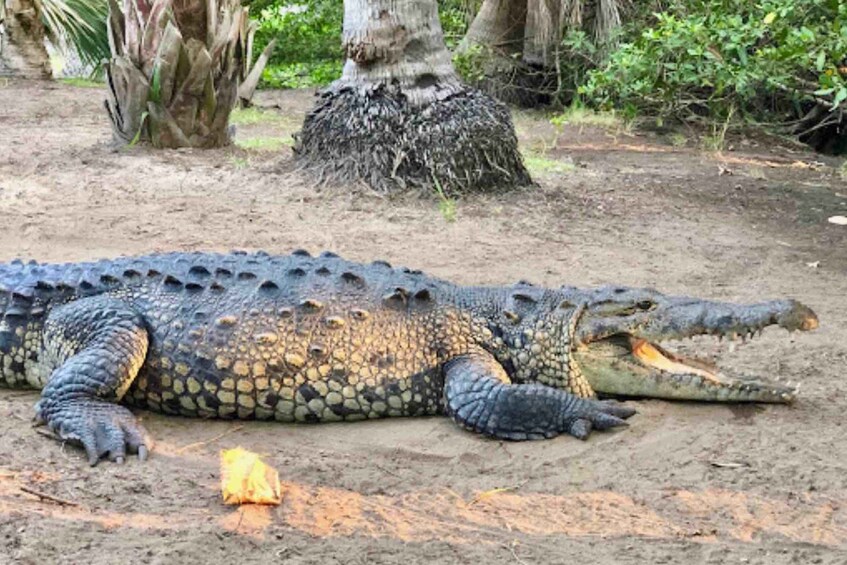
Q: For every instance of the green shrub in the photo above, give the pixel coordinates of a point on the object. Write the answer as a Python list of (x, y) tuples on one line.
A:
[(455, 16), (471, 63), (308, 32), (715, 57), (301, 75)]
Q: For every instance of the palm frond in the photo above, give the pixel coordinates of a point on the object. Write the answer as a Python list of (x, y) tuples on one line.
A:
[(81, 24)]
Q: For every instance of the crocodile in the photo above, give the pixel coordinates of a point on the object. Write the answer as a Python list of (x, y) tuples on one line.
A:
[(302, 338)]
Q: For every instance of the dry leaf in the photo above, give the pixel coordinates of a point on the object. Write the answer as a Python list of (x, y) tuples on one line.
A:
[(246, 479)]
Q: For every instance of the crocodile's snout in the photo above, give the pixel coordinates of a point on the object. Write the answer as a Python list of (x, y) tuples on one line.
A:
[(622, 355), (799, 317)]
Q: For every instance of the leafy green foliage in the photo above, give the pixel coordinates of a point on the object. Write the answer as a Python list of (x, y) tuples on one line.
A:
[(301, 75), (580, 55), (82, 24), (715, 57), (470, 63), (455, 16), (308, 33)]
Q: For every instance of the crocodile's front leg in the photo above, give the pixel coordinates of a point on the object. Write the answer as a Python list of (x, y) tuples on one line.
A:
[(93, 348), (479, 396)]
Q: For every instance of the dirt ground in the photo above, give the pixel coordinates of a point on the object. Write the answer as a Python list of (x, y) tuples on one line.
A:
[(685, 483)]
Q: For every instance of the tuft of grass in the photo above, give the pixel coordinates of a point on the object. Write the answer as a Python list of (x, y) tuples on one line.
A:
[(579, 115), (678, 140), (263, 143), (82, 82), (541, 164), (240, 163), (446, 205), (758, 173), (717, 140), (713, 143), (253, 115)]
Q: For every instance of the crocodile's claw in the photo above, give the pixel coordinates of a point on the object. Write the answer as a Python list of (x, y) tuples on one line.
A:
[(592, 414), (101, 428)]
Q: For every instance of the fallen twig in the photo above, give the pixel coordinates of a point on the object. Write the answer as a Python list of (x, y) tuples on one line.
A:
[(50, 497), (511, 548), (45, 433), (208, 441), (384, 470), (727, 464), (489, 493)]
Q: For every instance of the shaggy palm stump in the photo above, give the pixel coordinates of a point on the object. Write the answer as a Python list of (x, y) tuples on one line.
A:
[(463, 142)]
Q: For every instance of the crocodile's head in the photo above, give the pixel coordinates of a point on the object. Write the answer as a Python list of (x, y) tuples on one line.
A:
[(622, 348)]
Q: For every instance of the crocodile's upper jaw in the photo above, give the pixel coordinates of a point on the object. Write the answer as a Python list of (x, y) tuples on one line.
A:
[(622, 355)]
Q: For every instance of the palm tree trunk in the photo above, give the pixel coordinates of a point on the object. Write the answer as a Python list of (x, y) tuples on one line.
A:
[(400, 116), (544, 22), (498, 35), (499, 25), (22, 51)]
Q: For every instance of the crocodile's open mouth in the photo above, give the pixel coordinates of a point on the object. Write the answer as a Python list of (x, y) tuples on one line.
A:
[(633, 364)]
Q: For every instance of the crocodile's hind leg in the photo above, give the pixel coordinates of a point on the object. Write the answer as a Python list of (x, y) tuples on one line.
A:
[(479, 396), (93, 349)]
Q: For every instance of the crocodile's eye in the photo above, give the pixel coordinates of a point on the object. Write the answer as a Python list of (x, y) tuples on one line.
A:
[(645, 305)]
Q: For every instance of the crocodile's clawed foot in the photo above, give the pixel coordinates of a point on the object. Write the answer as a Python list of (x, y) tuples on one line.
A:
[(598, 415), (103, 429), (617, 408)]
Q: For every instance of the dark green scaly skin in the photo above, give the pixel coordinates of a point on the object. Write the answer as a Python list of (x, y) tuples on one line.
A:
[(300, 338)]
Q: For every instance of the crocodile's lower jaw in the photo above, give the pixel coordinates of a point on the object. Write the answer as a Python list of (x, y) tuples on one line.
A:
[(631, 367)]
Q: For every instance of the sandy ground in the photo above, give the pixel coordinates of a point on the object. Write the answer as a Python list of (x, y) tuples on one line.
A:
[(685, 483)]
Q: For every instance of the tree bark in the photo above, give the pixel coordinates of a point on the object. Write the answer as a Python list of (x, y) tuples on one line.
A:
[(22, 50), (499, 25), (400, 116)]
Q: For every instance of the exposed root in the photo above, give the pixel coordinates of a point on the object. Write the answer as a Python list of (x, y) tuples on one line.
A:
[(521, 86), (515, 82), (462, 143)]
